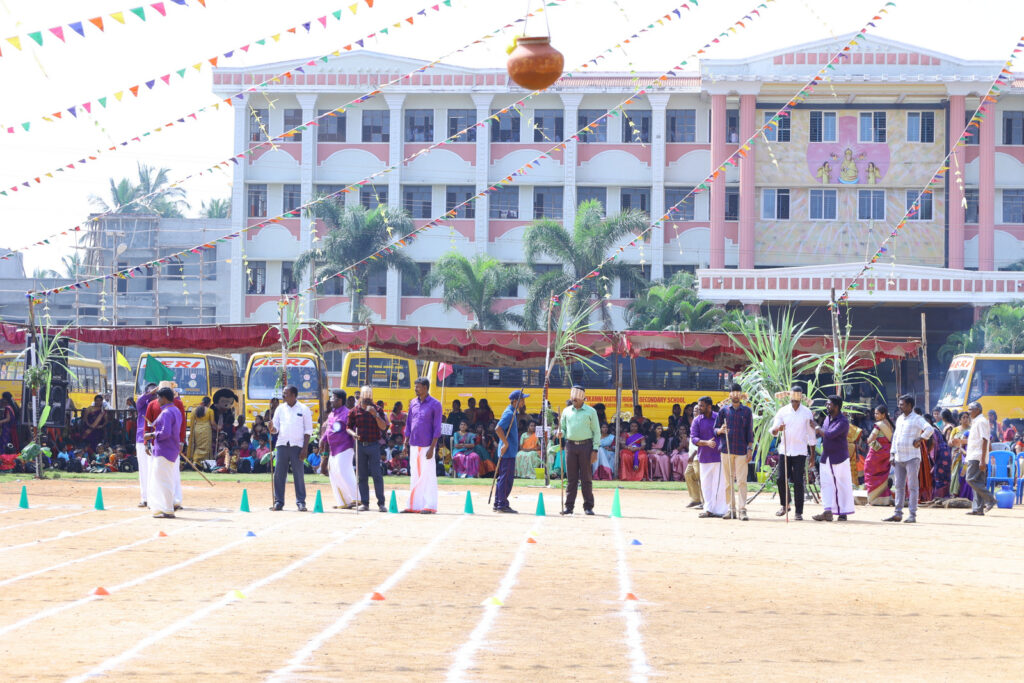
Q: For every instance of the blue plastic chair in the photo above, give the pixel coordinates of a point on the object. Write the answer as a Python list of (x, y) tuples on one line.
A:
[(1002, 469), (1020, 478)]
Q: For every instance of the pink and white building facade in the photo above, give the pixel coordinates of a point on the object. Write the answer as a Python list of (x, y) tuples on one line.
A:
[(795, 218)]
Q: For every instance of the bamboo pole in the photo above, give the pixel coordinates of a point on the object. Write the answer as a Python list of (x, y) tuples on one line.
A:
[(544, 398), (924, 359), (837, 377), (617, 381)]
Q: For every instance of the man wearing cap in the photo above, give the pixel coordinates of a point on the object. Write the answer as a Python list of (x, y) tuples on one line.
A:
[(140, 440), (581, 430), (508, 436), (978, 445), (422, 430), (836, 477), (795, 427), (339, 441)]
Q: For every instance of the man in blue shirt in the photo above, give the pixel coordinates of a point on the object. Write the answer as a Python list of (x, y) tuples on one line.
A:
[(508, 435), (735, 424)]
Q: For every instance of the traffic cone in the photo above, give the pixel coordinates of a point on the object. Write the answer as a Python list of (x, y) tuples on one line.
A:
[(99, 498), (468, 510), (318, 506), (531, 539), (630, 596), (100, 590), (616, 508), (245, 501), (540, 505), (23, 503), (636, 542), (376, 596), (249, 533), (162, 534), (393, 505)]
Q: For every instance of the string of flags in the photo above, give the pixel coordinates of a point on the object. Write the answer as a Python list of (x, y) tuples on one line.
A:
[(144, 86), (971, 129), (741, 151), (61, 32)]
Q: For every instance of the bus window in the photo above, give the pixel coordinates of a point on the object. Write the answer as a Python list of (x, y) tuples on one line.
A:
[(390, 373), (263, 380), (997, 378)]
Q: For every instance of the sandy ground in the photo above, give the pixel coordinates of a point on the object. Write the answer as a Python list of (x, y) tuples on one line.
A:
[(716, 599)]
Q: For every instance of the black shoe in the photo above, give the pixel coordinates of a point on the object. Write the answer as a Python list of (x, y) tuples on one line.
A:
[(825, 516), (841, 518), (363, 508), (693, 504), (979, 513), (566, 511), (143, 504), (798, 517), (507, 511), (382, 508), (589, 512), (277, 507), (893, 518), (302, 507), (989, 506)]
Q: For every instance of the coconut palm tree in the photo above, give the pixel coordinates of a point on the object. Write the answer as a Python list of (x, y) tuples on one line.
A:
[(581, 252), (217, 208), (475, 284), (352, 235), (122, 196), (126, 197), (971, 340), (1004, 328), (74, 267)]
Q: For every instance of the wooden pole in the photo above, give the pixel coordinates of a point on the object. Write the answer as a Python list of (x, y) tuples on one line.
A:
[(617, 381), (636, 385), (924, 359), (837, 375), (544, 399)]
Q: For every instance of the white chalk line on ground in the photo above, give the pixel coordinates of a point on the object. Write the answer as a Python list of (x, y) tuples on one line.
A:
[(57, 609), (639, 669), (70, 534), (43, 521), (464, 656), (171, 629), (288, 672)]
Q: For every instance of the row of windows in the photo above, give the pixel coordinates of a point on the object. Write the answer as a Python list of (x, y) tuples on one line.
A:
[(823, 205)]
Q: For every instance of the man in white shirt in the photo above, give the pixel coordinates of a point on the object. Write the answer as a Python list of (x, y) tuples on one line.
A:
[(978, 445), (911, 430), (796, 426), (293, 424)]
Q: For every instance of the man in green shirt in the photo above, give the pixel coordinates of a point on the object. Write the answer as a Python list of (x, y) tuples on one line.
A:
[(581, 432)]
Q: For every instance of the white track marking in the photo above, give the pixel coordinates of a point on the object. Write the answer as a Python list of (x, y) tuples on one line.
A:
[(171, 629), (41, 521), (464, 657), (57, 609), (69, 534), (639, 669), (288, 672)]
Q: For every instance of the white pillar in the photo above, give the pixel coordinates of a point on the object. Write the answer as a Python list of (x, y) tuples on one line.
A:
[(395, 150), (482, 102), (571, 108), (306, 169), (659, 103), (239, 213)]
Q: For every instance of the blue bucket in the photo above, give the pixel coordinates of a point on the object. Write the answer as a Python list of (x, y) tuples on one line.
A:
[(1004, 497)]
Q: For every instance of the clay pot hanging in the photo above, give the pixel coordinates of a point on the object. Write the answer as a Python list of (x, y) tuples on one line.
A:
[(534, 64)]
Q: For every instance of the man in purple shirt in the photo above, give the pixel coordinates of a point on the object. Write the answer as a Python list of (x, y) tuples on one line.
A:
[(712, 483), (166, 438), (836, 482), (422, 430), (341, 447), (140, 440)]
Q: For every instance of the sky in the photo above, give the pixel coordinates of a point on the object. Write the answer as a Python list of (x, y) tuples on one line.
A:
[(39, 80)]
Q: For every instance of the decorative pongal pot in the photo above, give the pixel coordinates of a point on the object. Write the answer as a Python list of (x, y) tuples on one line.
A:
[(534, 64)]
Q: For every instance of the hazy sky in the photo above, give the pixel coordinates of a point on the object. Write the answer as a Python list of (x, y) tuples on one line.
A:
[(40, 80)]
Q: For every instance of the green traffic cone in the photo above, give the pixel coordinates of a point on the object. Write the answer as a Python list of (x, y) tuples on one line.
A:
[(393, 505), (318, 506), (468, 510), (616, 509), (540, 505), (245, 501), (99, 498), (23, 503)]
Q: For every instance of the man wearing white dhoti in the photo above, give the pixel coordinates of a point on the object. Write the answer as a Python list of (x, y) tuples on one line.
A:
[(422, 430), (140, 440), (712, 481), (166, 442), (339, 441), (836, 483)]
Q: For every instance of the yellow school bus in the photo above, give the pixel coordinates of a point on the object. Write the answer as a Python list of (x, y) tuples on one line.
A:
[(994, 380), (87, 378), (307, 371), (196, 374), (391, 377)]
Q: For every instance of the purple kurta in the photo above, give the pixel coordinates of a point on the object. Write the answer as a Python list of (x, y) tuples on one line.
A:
[(703, 429), (834, 448), (424, 423), (167, 430), (140, 409), (335, 433)]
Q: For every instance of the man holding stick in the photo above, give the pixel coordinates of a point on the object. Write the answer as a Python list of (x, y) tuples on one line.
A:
[(836, 478), (736, 424), (582, 432), (508, 435)]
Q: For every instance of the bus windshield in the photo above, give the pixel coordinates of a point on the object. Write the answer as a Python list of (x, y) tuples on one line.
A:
[(391, 373), (265, 372), (189, 374), (954, 388)]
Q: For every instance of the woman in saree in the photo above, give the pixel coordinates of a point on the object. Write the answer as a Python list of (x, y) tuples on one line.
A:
[(680, 453), (633, 457), (604, 468), (942, 462), (657, 455), (528, 458), (958, 469), (465, 460), (201, 433), (876, 464), (8, 420), (486, 452)]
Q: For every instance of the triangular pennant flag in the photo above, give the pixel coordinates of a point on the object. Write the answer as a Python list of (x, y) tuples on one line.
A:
[(140, 12), (59, 32), (78, 28), (97, 22), (134, 90), (36, 36), (118, 17), (15, 41), (159, 7)]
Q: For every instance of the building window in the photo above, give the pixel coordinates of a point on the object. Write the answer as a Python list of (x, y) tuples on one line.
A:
[(823, 205), (671, 270), (732, 203), (584, 194), (681, 212), (635, 198), (330, 128), (372, 196), (1013, 128), (971, 210), (329, 190), (259, 121), (548, 125), (640, 130), (292, 120), (461, 119), (547, 202), (1013, 206), (504, 203), (924, 208), (823, 126), (920, 126), (599, 130), (376, 126), (512, 291), (257, 201), (732, 126), (775, 205), (174, 269), (871, 205), (628, 290), (288, 283), (414, 286), (292, 198), (971, 132), (419, 125), (682, 125), (377, 283), (779, 131), (332, 287), (256, 277), (455, 195), (416, 199), (872, 126), (506, 127)]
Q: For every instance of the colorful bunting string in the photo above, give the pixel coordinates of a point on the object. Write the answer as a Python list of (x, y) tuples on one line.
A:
[(146, 85)]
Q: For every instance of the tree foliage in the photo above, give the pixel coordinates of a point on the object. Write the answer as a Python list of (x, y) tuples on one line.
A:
[(476, 283)]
